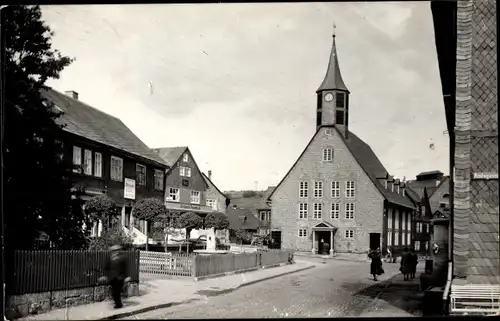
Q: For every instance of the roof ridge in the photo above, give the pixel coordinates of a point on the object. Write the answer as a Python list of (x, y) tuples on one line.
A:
[(84, 103)]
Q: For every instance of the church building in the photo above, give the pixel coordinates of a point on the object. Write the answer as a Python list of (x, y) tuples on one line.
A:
[(338, 197)]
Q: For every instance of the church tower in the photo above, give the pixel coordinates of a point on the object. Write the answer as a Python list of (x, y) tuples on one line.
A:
[(333, 96)]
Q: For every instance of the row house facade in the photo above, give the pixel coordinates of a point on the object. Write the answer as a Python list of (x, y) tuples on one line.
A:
[(429, 192), (187, 189), (337, 196), (259, 207), (110, 159)]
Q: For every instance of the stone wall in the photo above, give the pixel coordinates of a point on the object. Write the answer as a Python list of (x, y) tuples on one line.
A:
[(23, 305)]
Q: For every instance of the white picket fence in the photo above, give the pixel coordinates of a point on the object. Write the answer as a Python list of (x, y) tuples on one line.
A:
[(180, 264)]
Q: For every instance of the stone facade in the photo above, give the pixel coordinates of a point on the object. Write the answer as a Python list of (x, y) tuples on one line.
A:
[(19, 306), (369, 203)]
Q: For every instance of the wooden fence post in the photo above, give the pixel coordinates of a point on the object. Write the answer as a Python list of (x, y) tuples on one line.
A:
[(193, 266)]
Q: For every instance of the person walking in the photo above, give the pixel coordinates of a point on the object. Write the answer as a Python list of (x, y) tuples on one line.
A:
[(414, 264), (117, 274), (376, 264), (406, 264)]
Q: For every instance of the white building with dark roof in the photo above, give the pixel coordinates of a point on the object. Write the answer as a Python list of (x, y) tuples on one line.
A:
[(338, 197)]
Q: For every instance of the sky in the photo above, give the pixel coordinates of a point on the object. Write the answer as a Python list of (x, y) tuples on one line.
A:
[(237, 82)]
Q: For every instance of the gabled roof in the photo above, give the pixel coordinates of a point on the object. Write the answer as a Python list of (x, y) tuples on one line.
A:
[(324, 224), (88, 122), (235, 216), (435, 172), (250, 203), (170, 155), (368, 161), (444, 180), (413, 195), (210, 183)]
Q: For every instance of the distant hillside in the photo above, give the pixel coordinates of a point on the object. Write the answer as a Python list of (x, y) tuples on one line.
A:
[(250, 194), (244, 194)]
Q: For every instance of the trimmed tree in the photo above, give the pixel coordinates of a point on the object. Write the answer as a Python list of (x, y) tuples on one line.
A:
[(241, 235), (189, 221), (148, 209), (218, 221), (109, 237), (101, 208), (37, 189)]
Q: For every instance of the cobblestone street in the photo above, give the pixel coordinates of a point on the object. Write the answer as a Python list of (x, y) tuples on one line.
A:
[(332, 289)]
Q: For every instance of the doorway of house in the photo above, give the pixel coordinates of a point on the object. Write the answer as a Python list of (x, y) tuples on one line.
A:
[(374, 241), (276, 239), (325, 246)]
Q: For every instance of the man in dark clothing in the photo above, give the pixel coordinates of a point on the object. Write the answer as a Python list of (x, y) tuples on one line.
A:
[(406, 264), (117, 274)]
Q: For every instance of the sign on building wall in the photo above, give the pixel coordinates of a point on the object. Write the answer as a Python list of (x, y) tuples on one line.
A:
[(129, 192)]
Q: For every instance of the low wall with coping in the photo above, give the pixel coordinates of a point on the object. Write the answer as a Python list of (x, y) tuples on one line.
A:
[(23, 305)]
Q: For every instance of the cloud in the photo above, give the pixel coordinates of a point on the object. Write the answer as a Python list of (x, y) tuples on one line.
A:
[(237, 82)]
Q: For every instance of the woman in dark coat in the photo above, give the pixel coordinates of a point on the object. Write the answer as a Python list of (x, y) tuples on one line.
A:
[(406, 264), (414, 265), (376, 265)]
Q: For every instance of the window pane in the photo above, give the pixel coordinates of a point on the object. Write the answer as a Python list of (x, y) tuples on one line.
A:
[(87, 162), (340, 100), (339, 117), (98, 164)]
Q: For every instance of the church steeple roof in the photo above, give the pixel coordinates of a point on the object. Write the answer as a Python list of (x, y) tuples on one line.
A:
[(333, 78)]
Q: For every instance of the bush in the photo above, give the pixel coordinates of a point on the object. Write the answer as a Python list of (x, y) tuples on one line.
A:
[(149, 208), (217, 221)]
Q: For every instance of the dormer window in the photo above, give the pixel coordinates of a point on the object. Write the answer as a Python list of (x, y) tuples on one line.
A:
[(392, 187), (386, 184), (398, 189)]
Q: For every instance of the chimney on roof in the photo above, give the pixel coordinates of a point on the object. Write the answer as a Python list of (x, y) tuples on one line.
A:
[(403, 188), (73, 94), (396, 183), (209, 175)]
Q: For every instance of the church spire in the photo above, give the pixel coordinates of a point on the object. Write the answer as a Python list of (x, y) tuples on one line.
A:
[(333, 78)]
